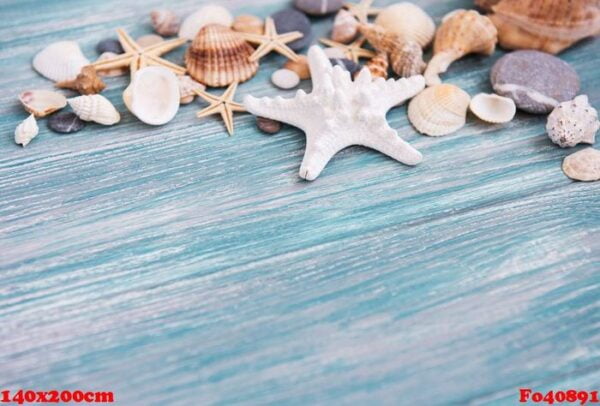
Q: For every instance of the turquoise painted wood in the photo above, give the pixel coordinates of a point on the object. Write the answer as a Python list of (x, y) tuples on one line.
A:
[(176, 265)]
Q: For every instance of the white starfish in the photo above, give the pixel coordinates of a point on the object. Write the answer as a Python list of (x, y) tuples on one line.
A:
[(339, 113)]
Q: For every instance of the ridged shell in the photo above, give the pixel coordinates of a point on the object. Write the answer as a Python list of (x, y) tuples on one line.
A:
[(345, 27), (187, 85), (96, 108), (40, 103), (573, 122), (379, 66), (408, 21), (219, 57), (209, 14), (165, 22), (439, 110), (547, 25), (493, 108), (583, 165), (60, 61), (87, 82), (249, 24), (26, 131)]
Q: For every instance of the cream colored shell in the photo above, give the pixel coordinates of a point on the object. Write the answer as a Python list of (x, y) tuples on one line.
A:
[(573, 122), (60, 61), (42, 102), (96, 108), (439, 110), (583, 165), (493, 108), (26, 131), (408, 21)]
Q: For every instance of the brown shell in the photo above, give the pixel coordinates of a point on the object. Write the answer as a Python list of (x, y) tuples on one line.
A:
[(486, 4), (465, 32), (219, 57), (379, 65), (546, 25), (87, 82)]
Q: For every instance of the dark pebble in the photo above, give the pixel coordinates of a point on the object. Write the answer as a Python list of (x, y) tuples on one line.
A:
[(65, 123), (347, 64), (318, 7), (292, 20), (109, 45), (267, 125)]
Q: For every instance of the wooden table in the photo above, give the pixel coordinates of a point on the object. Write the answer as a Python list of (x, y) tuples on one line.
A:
[(177, 265)]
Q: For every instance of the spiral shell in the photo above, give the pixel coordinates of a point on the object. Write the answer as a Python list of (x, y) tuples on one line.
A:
[(87, 82), (573, 122), (165, 22), (379, 66), (26, 131), (408, 21), (345, 27), (439, 110), (95, 108)]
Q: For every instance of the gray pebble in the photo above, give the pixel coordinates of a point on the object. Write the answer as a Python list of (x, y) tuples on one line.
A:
[(347, 64), (267, 125), (292, 20), (109, 45), (536, 81), (318, 7), (65, 123)]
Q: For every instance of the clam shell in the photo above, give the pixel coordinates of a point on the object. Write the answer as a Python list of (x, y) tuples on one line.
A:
[(26, 131), (583, 165), (165, 22), (408, 21), (60, 61), (96, 108), (218, 57), (187, 85), (209, 14), (573, 122), (249, 24), (153, 95), (493, 108), (345, 27), (40, 103), (439, 110)]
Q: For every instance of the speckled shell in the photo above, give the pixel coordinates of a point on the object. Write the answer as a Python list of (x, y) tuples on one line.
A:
[(547, 25), (40, 103), (583, 165), (439, 110), (165, 22), (379, 66), (573, 122), (345, 27), (95, 108), (249, 24), (492, 108), (26, 131), (218, 57), (408, 21), (60, 61), (209, 14), (187, 85)]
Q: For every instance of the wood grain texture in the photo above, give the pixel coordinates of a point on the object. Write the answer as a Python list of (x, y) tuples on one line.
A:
[(176, 265)]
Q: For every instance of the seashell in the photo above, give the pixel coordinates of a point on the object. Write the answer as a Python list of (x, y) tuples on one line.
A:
[(408, 21), (165, 22), (583, 165), (65, 123), (218, 57), (147, 40), (40, 103), (546, 25), (26, 131), (318, 7), (462, 33), (267, 125), (379, 66), (493, 108), (210, 14), (60, 61), (573, 122), (285, 79), (109, 45), (187, 87), (249, 24), (300, 67), (345, 27), (95, 108), (87, 82), (347, 64), (335, 53), (439, 110), (110, 72), (486, 4), (536, 81), (288, 20), (153, 95)]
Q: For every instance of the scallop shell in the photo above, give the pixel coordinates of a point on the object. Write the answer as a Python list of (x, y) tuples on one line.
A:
[(60, 61), (187, 87), (87, 82), (573, 122), (95, 108), (219, 57), (439, 110), (583, 165), (26, 131), (408, 21), (209, 14), (546, 25), (40, 103), (493, 108), (462, 33), (153, 95), (249, 24), (165, 22), (345, 27), (379, 66)]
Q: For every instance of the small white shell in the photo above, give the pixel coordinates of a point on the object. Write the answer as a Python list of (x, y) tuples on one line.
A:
[(26, 131), (439, 110), (42, 102), (573, 122), (285, 79), (583, 165), (209, 14), (60, 61), (493, 108), (153, 95), (165, 22), (187, 85), (96, 108)]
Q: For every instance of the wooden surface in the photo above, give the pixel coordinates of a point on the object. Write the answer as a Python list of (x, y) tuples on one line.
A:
[(176, 265)]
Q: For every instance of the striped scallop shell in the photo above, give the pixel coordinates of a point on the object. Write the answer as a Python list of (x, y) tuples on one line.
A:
[(439, 110), (219, 57), (60, 61)]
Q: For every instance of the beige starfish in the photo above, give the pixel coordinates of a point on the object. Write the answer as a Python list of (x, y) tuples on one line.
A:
[(272, 41), (353, 51), (362, 10), (223, 105), (138, 57)]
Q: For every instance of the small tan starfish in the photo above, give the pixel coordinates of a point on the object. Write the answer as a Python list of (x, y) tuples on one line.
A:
[(223, 105), (353, 51), (272, 41), (362, 10), (138, 57)]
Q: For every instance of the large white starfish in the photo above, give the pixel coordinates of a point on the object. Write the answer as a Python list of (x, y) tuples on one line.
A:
[(339, 113)]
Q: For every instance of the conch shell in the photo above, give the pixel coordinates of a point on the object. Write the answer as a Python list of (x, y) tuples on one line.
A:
[(547, 25), (462, 32), (87, 82), (219, 57), (439, 110), (95, 108)]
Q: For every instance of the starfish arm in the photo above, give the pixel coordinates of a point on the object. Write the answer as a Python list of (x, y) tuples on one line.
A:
[(364, 53), (320, 149), (230, 92), (119, 61), (270, 29), (253, 38), (397, 92), (128, 44), (206, 96), (164, 46), (158, 61), (261, 51), (210, 110), (280, 109), (389, 143), (289, 36), (227, 116), (331, 44), (320, 68), (287, 52)]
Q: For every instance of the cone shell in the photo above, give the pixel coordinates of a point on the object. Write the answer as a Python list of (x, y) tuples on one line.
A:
[(345, 27), (408, 21), (60, 61), (26, 131), (219, 57), (439, 110), (96, 108), (379, 66), (492, 108), (583, 165), (165, 22), (40, 103)]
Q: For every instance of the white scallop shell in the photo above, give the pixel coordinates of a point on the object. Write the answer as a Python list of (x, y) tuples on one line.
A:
[(409, 21), (153, 95), (187, 85), (60, 61), (573, 122), (493, 108), (439, 110), (209, 14), (42, 102), (96, 108), (26, 131), (583, 165)]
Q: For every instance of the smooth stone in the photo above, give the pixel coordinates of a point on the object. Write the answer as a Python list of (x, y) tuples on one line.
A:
[(536, 81), (285, 79), (347, 64), (109, 45), (318, 7), (65, 123), (292, 20), (267, 125)]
